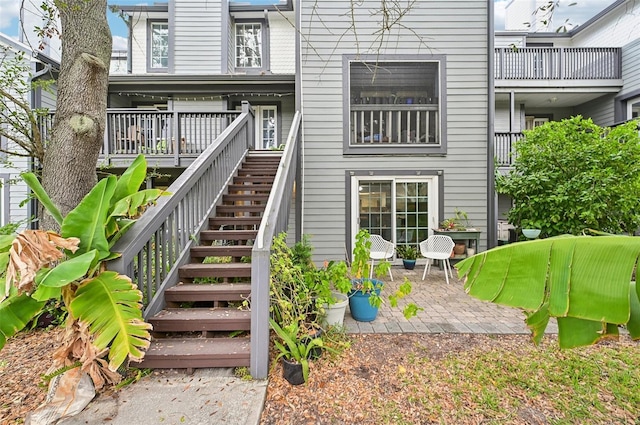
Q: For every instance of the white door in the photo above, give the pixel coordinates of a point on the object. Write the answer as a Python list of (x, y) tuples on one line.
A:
[(401, 209), (266, 127)]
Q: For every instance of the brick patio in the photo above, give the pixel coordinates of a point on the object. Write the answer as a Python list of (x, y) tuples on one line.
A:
[(447, 309)]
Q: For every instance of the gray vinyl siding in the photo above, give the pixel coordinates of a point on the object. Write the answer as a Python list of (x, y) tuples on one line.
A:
[(600, 110), (48, 99), (198, 38), (457, 30), (631, 67)]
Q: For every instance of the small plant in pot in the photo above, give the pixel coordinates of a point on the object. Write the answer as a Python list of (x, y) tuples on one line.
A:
[(459, 222), (294, 352), (364, 295), (409, 254)]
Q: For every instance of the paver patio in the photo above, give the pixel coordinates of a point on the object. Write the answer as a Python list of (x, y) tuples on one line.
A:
[(447, 309)]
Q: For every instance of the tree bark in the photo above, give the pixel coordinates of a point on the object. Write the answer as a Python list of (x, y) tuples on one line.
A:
[(69, 167)]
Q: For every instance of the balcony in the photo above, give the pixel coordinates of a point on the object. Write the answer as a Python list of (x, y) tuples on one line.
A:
[(503, 148), (169, 139), (394, 124), (558, 63)]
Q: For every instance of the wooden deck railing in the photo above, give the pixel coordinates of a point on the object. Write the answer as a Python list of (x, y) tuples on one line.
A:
[(158, 243), (274, 221), (558, 63), (504, 148)]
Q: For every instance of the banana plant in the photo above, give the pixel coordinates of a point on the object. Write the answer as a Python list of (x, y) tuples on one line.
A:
[(104, 308), (583, 281)]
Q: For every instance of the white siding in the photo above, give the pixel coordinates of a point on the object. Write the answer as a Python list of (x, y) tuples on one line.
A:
[(616, 29), (139, 44), (456, 29), (282, 43)]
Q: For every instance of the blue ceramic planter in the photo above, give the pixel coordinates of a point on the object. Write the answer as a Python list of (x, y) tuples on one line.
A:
[(361, 308)]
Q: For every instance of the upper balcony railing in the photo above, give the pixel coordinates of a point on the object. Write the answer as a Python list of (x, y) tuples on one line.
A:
[(558, 63), (130, 132), (394, 124)]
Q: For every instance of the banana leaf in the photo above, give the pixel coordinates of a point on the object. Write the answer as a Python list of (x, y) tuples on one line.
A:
[(131, 180), (88, 220), (110, 305), (67, 271), (34, 184), (584, 281), (15, 312)]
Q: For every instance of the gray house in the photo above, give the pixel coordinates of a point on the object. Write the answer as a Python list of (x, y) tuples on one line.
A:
[(592, 70)]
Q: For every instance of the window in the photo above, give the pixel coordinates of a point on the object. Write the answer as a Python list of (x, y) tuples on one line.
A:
[(395, 105), (249, 45), (266, 126), (399, 207), (159, 46)]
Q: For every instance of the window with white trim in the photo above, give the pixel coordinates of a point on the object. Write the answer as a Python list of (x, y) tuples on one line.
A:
[(159, 46), (248, 45)]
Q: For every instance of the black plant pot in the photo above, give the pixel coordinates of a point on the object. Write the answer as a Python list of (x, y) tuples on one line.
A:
[(292, 372), (409, 264)]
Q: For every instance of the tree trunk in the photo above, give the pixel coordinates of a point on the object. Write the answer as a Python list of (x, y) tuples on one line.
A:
[(69, 168)]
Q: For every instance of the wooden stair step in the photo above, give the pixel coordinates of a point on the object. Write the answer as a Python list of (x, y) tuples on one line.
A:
[(267, 172), (201, 319), (255, 187), (227, 235), (188, 292), (186, 353), (253, 197), (221, 251), (195, 270), (216, 222), (240, 208), (253, 179)]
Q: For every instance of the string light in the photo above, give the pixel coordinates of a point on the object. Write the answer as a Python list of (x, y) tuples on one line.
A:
[(194, 98)]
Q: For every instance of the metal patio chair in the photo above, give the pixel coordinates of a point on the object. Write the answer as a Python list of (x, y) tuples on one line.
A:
[(437, 247), (381, 249)]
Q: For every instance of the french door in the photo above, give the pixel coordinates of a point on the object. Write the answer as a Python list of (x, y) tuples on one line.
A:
[(266, 126), (400, 209)]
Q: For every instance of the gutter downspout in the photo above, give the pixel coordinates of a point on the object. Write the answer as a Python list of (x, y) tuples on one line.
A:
[(492, 198), (299, 207)]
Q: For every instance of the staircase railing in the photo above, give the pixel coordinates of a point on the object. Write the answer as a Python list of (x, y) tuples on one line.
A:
[(274, 221), (159, 242)]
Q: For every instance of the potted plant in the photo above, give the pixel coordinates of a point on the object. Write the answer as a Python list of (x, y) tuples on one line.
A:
[(294, 352), (409, 254), (459, 222)]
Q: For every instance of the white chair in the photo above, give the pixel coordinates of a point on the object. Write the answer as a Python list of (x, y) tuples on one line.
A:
[(437, 247), (380, 250)]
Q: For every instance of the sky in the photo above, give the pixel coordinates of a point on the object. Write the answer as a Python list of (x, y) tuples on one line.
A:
[(576, 14)]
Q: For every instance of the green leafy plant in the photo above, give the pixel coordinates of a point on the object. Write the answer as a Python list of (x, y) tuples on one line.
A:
[(460, 221), (407, 252), (572, 175), (294, 348), (583, 281), (104, 309)]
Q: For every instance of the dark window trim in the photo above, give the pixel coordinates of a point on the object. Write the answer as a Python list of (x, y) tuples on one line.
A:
[(150, 23), (271, 8), (387, 173), (620, 105), (437, 150), (266, 63)]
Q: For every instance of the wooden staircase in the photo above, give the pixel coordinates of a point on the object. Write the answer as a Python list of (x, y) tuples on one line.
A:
[(204, 323)]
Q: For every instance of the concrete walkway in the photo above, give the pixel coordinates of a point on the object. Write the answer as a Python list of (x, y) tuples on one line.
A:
[(216, 396)]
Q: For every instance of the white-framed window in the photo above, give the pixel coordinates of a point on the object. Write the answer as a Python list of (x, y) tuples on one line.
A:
[(402, 209), (248, 45), (395, 103), (158, 46)]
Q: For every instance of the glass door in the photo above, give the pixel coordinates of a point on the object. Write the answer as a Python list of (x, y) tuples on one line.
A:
[(400, 209), (266, 127)]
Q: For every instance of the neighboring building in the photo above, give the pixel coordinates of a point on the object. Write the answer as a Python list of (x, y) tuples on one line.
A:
[(395, 121), (14, 192), (592, 70)]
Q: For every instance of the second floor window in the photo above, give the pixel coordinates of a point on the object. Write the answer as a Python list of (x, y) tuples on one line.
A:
[(248, 45), (159, 51)]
